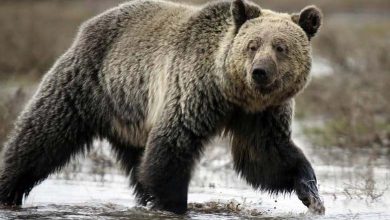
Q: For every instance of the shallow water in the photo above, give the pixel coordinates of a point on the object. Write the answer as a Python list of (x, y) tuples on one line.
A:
[(352, 188)]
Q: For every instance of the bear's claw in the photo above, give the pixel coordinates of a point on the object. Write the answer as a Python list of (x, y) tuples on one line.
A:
[(308, 193), (316, 206)]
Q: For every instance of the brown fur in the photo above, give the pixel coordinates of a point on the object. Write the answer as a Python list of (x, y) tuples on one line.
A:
[(269, 30)]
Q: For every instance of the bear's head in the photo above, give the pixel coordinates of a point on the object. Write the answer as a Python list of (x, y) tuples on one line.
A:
[(268, 58)]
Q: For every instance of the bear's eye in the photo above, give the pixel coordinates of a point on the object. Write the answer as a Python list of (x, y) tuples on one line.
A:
[(280, 49), (252, 46)]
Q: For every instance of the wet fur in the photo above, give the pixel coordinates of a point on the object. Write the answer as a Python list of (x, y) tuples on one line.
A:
[(146, 76), (266, 157)]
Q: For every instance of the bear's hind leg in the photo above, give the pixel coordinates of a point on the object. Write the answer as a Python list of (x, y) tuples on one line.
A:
[(45, 137), (129, 158)]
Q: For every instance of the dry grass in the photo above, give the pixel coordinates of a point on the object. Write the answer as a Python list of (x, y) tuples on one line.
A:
[(10, 106), (353, 102), (35, 33)]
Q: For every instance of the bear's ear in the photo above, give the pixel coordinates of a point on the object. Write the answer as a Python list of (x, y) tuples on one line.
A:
[(243, 11), (310, 20)]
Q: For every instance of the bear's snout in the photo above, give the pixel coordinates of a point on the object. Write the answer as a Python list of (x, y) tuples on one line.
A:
[(260, 75), (263, 72)]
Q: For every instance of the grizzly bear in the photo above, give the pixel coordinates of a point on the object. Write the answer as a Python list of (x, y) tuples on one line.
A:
[(158, 80)]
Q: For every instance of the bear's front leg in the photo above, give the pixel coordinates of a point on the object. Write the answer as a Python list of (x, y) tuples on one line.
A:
[(266, 157), (306, 185), (166, 168)]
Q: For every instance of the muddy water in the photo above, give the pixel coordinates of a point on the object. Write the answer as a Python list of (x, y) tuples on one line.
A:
[(353, 186)]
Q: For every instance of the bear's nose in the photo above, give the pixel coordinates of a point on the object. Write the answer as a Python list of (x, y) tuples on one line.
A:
[(260, 75)]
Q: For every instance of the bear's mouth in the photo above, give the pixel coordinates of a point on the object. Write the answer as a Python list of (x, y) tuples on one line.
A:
[(268, 88)]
